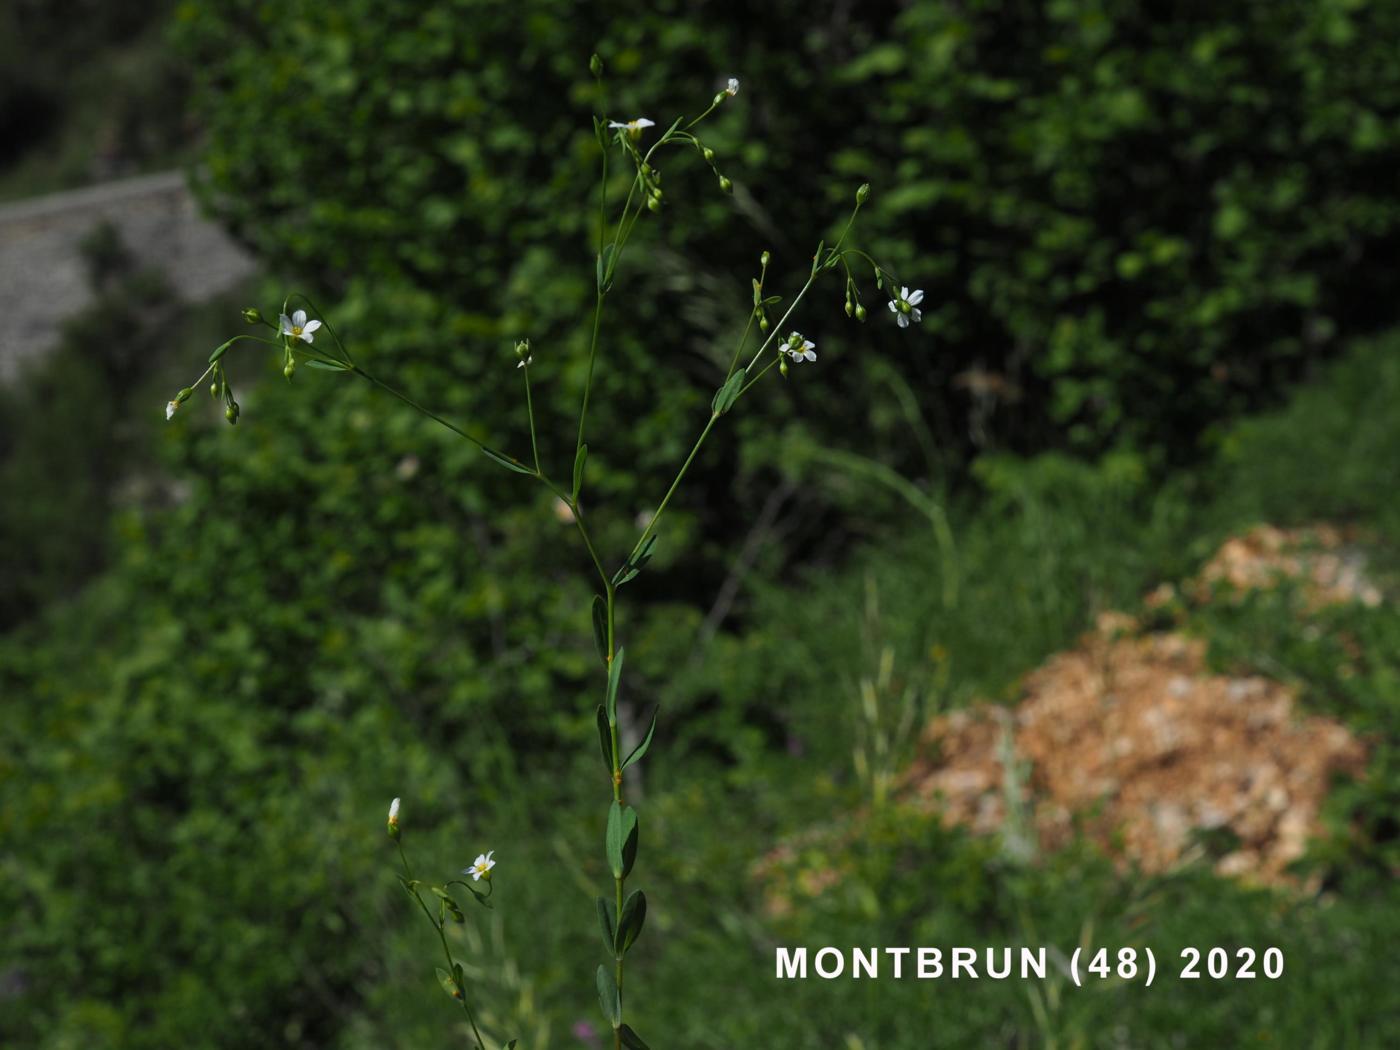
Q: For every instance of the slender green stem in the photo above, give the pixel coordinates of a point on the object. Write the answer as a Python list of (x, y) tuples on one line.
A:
[(592, 360), (447, 951), (675, 484), (777, 328), (530, 411)]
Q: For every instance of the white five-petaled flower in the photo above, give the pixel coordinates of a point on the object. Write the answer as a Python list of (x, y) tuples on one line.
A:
[(799, 349), (732, 88), (904, 305), (170, 407), (632, 127), (298, 327), (481, 867)]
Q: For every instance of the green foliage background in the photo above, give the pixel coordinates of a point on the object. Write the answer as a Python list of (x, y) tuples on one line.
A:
[(1130, 229)]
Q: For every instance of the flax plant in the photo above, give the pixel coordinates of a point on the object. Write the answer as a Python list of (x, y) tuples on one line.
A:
[(770, 341)]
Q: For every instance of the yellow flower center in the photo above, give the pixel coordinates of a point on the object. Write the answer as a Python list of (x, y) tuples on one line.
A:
[(296, 331)]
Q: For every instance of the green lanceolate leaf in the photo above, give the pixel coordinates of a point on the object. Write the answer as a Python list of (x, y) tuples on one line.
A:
[(641, 749), (506, 461), (449, 903), (326, 366), (621, 839), (629, 925), (614, 678), (605, 739), (608, 997), (579, 461), (727, 394), (605, 922), (631, 1039), (448, 985), (600, 627), (605, 269)]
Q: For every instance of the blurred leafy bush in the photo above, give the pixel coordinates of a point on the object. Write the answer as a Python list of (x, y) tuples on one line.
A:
[(1129, 225)]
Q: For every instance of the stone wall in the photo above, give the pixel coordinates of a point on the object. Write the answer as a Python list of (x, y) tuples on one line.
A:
[(43, 278)]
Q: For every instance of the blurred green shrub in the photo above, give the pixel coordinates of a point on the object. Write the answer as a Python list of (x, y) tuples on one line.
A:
[(1128, 225)]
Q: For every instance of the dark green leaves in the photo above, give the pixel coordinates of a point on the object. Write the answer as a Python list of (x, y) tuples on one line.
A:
[(614, 678), (605, 273), (605, 739), (631, 1039), (506, 461), (621, 839), (600, 627), (641, 749), (606, 924), (608, 997), (629, 925), (635, 563), (579, 459), (448, 904), (727, 394)]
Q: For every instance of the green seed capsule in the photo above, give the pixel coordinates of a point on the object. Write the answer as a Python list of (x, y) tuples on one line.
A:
[(860, 313), (653, 204), (726, 185), (709, 155)]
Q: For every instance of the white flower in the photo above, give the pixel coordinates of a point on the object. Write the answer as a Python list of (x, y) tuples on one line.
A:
[(298, 327), (394, 812), (526, 361), (732, 88), (800, 349), (903, 306), (170, 407), (633, 127), (481, 867)]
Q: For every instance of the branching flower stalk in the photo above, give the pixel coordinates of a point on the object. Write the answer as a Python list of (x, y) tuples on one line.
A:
[(621, 915)]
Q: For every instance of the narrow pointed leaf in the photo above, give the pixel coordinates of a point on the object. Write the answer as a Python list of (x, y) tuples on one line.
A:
[(605, 922), (727, 394), (579, 460), (631, 1039), (629, 925), (506, 461), (641, 749), (608, 997), (614, 678), (621, 839), (600, 627), (605, 739), (326, 366)]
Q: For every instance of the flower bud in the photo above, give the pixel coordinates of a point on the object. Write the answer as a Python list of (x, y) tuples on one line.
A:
[(289, 369), (595, 65), (765, 258), (709, 155), (763, 324), (725, 184), (782, 368), (252, 315), (656, 192), (860, 313), (522, 349), (850, 308), (394, 806), (231, 413), (213, 389), (653, 204), (863, 194), (646, 169)]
